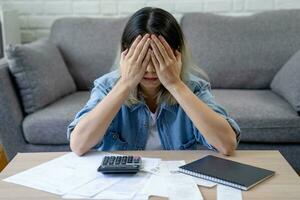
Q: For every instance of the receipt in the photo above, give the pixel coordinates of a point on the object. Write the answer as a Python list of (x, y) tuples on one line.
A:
[(225, 192)]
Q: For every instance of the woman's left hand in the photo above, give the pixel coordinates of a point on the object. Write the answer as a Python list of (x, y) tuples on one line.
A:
[(167, 64)]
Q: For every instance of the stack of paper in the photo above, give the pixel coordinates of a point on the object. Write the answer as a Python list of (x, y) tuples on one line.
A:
[(76, 177), (172, 184)]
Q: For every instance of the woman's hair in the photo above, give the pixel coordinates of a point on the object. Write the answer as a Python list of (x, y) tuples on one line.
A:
[(159, 22)]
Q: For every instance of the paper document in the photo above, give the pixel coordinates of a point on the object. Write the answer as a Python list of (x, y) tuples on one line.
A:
[(77, 177), (60, 175), (126, 188), (150, 165), (203, 182), (183, 187), (167, 182), (225, 192), (95, 186), (172, 167)]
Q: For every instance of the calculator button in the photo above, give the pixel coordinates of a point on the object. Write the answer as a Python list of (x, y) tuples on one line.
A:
[(124, 159), (118, 160), (111, 160), (136, 159), (120, 164), (105, 160), (130, 159)]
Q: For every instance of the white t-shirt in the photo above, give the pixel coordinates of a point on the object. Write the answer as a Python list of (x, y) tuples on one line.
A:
[(153, 141)]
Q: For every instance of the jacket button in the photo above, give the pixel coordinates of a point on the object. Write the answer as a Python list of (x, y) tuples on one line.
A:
[(115, 136)]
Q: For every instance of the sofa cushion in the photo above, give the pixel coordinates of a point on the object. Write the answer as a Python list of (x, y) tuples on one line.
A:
[(88, 45), (49, 125), (262, 115), (40, 72), (286, 83), (242, 52)]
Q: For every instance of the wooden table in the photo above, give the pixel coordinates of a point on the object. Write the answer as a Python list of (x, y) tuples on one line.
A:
[(285, 184), (3, 159)]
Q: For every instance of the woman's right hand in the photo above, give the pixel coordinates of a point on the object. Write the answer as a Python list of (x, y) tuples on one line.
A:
[(134, 62)]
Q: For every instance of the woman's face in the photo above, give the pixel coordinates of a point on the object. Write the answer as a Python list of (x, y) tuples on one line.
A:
[(150, 80)]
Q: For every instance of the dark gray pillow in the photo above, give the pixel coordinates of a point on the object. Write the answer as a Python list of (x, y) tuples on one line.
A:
[(286, 82), (88, 45), (40, 72)]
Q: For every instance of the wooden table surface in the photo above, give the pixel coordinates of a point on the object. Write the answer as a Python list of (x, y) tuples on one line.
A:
[(285, 184), (3, 159)]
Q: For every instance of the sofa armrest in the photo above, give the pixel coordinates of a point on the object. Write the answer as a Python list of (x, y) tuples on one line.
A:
[(11, 114), (286, 82)]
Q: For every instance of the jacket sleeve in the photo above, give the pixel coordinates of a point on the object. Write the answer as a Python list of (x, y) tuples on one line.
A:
[(97, 94), (203, 91)]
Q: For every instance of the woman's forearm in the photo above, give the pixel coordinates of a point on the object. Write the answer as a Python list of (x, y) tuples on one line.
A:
[(215, 129), (92, 127)]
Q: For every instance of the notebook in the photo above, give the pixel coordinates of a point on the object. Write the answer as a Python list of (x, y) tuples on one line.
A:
[(226, 172)]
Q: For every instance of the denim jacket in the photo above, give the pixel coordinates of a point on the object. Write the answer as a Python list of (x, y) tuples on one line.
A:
[(130, 127)]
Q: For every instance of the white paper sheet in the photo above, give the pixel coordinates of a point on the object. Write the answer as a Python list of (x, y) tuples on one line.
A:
[(226, 192), (167, 168), (182, 187), (95, 186), (150, 165), (203, 182), (173, 167), (60, 175), (169, 183), (156, 185), (198, 181), (77, 177), (126, 188)]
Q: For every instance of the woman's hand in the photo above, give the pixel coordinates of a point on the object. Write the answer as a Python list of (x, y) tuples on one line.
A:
[(167, 65), (134, 62)]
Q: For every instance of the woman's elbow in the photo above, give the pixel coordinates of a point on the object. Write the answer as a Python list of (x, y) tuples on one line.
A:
[(229, 151), (78, 149), (229, 148)]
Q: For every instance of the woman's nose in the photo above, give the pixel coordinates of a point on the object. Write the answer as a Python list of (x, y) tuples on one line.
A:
[(150, 67)]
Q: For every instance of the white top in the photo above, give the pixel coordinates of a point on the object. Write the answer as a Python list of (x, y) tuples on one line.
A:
[(153, 141)]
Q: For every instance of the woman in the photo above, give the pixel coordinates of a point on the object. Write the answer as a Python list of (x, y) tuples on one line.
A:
[(152, 102)]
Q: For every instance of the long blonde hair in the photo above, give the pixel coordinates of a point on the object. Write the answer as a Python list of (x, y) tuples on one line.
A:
[(159, 22)]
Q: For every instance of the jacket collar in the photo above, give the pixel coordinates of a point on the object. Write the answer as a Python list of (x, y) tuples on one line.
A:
[(163, 106)]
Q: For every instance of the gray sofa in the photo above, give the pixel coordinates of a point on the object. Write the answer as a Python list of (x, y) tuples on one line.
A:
[(242, 56)]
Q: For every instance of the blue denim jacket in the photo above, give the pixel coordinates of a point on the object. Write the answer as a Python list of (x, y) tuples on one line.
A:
[(129, 128)]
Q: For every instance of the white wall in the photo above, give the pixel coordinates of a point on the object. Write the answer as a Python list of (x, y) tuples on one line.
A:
[(37, 15)]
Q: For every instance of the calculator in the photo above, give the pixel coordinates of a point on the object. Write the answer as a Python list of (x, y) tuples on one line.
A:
[(120, 164)]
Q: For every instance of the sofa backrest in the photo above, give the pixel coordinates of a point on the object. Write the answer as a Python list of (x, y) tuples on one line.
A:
[(242, 52), (236, 52), (88, 46)]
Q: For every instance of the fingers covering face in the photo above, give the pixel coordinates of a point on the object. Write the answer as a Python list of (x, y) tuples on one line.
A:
[(167, 47), (140, 54), (147, 59), (154, 61), (133, 46), (161, 49)]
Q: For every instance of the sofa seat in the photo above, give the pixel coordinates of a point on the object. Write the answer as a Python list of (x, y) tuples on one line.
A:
[(49, 125), (262, 115)]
